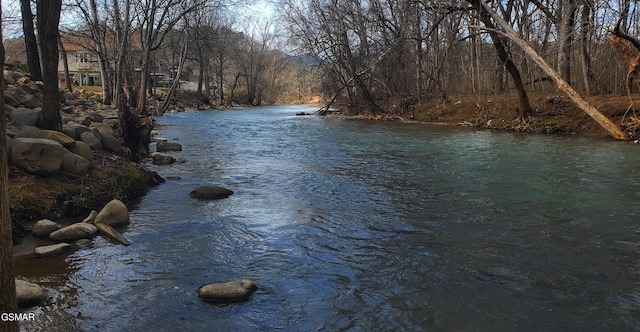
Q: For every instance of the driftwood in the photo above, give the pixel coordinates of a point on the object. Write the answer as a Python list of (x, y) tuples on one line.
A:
[(563, 86)]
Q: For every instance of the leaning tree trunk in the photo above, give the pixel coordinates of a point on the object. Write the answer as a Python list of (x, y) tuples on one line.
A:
[(524, 108), (176, 80), (7, 282), (594, 113)]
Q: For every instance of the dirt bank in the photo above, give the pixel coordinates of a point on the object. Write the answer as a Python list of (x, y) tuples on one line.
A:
[(554, 114)]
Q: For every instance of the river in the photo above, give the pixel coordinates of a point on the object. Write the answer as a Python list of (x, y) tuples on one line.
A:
[(365, 226)]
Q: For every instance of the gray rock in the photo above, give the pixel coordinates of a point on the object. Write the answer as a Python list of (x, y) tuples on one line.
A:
[(10, 99), (51, 250), (114, 213), (37, 155), (44, 227), (110, 142), (158, 139), (168, 146), (74, 164), (83, 150), (159, 158), (57, 136), (91, 140), (97, 117), (211, 192), (70, 131), (74, 232), (113, 123), (28, 293), (102, 127), (24, 116), (31, 101), (232, 291), (79, 129), (17, 130)]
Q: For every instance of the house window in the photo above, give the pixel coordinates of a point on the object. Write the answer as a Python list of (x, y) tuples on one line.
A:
[(82, 57)]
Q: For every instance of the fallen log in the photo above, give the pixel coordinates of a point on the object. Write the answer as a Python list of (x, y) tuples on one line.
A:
[(563, 86)]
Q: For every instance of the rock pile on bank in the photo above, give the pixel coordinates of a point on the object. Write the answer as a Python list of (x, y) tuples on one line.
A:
[(87, 126)]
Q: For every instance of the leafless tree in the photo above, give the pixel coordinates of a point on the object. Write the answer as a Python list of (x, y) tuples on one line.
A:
[(48, 14)]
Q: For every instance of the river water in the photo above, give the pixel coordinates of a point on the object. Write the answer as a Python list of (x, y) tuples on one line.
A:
[(365, 226)]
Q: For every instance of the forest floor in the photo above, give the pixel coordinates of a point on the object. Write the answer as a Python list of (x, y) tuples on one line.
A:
[(553, 114)]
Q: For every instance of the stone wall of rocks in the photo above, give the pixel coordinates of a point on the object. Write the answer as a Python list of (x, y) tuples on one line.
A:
[(87, 126)]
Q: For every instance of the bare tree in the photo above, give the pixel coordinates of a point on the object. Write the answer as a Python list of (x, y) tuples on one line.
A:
[(563, 86), (31, 43), (156, 18), (48, 14)]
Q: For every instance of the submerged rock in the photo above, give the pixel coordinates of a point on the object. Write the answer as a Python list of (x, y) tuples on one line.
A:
[(28, 293), (211, 192), (168, 146), (232, 291), (162, 158)]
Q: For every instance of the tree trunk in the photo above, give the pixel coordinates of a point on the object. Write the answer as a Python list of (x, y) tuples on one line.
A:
[(585, 25), (122, 35), (31, 43), (65, 63), (135, 132), (8, 301), (565, 38), (48, 20), (104, 77), (594, 113), (176, 80), (221, 78), (524, 107)]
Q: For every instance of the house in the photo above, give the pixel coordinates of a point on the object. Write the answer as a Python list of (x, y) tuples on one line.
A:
[(83, 63)]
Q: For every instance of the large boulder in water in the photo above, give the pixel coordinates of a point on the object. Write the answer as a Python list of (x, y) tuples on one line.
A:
[(159, 158), (232, 291), (115, 213), (211, 192), (28, 293)]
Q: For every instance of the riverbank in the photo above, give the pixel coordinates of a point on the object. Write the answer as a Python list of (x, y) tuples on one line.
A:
[(554, 114), (68, 197)]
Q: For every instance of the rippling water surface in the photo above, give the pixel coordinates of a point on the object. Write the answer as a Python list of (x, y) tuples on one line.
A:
[(361, 226)]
